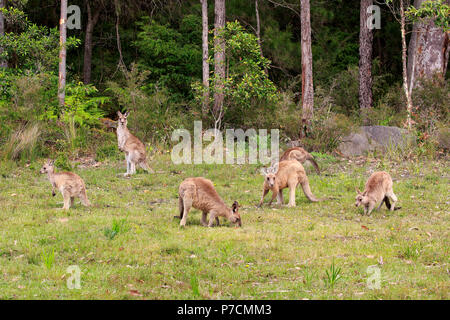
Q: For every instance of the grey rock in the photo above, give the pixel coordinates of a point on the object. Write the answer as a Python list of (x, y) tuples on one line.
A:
[(371, 138)]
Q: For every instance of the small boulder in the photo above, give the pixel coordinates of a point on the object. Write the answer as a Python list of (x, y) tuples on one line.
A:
[(371, 138)]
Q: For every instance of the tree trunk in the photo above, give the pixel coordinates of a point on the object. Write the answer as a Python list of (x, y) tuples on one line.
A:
[(62, 53), (404, 64), (365, 59), (205, 105), (88, 46), (3, 64), (219, 60), (307, 72), (258, 32), (428, 51)]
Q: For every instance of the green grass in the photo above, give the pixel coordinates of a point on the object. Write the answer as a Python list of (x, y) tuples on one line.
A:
[(129, 246)]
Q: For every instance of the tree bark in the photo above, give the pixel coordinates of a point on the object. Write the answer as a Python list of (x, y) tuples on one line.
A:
[(307, 69), (205, 105), (88, 45), (3, 64), (365, 59), (258, 32), (62, 53), (404, 64), (219, 59), (428, 51)]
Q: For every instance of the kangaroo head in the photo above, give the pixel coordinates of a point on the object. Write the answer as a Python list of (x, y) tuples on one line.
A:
[(270, 175), (48, 167), (122, 121), (235, 216), (361, 198)]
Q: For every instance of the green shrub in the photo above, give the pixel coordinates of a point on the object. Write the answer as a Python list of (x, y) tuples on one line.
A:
[(62, 162)]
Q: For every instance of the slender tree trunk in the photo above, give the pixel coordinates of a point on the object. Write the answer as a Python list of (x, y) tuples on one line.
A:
[(3, 64), (307, 71), (219, 60), (365, 59), (88, 45), (205, 105), (121, 63), (428, 51), (62, 53), (258, 31), (404, 64)]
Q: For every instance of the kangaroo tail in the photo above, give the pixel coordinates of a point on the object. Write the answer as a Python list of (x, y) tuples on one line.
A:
[(307, 191), (311, 159)]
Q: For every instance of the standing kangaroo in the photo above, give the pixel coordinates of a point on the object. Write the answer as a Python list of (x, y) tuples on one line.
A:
[(200, 194), (301, 155), (378, 189), (285, 174), (68, 183), (133, 147)]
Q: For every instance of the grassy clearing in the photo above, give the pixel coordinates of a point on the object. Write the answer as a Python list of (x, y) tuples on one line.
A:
[(128, 246)]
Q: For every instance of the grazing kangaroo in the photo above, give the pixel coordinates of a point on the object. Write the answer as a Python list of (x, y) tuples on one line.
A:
[(68, 183), (301, 155), (200, 194), (285, 174), (133, 147), (378, 189)]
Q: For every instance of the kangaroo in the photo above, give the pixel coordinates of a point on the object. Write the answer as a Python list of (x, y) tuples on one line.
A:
[(285, 174), (68, 183), (200, 194), (134, 149), (301, 155), (378, 189)]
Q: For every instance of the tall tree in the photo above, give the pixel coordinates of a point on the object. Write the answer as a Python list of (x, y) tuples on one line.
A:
[(307, 69), (404, 65), (428, 50), (205, 106), (365, 57), (258, 31), (219, 60), (3, 64), (93, 14), (62, 53)]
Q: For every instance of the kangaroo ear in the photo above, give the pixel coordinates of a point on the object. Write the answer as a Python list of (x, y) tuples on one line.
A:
[(127, 114), (119, 113), (51, 162), (357, 190), (275, 168), (263, 171), (235, 206)]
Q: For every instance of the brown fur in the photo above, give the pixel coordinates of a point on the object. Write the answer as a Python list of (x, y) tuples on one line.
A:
[(288, 174), (200, 194), (378, 189), (68, 183), (301, 155), (133, 147)]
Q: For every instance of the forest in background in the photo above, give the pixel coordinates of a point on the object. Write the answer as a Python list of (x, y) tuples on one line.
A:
[(147, 57)]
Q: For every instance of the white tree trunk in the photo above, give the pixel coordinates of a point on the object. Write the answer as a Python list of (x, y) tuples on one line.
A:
[(205, 105), (404, 63), (307, 71), (62, 53)]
